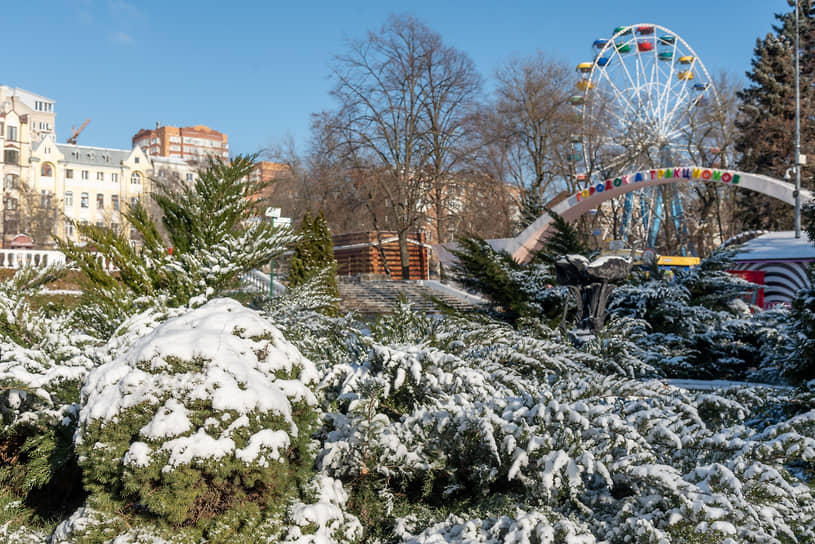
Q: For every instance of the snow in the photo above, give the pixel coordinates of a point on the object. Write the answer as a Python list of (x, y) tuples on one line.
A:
[(776, 246), (222, 354), (267, 440)]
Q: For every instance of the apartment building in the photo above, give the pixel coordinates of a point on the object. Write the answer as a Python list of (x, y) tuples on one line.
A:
[(90, 185), (193, 144), (39, 111)]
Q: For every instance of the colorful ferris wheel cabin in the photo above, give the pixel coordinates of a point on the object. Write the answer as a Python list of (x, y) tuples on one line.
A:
[(645, 45), (685, 76), (584, 67), (666, 40), (645, 30), (599, 44), (701, 86), (666, 55), (623, 31), (585, 84), (623, 47), (687, 59), (576, 100), (602, 61)]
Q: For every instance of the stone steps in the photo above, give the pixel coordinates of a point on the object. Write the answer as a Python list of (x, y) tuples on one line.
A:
[(373, 297)]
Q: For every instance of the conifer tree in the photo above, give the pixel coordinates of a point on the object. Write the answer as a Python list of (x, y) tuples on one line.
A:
[(767, 120), (209, 229), (564, 240), (313, 253)]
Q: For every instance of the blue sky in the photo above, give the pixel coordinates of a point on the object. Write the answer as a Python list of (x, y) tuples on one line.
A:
[(256, 70)]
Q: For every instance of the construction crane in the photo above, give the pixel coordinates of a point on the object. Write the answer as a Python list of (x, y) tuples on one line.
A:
[(75, 132)]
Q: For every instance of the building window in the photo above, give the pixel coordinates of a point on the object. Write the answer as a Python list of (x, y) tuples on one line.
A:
[(12, 134), (11, 156), (69, 228), (100, 201), (11, 203), (100, 176), (135, 179), (162, 173), (69, 199), (83, 201), (114, 178), (11, 182), (100, 224), (134, 200), (85, 174), (114, 201), (136, 160), (47, 170), (115, 228), (190, 177), (69, 174), (45, 200)]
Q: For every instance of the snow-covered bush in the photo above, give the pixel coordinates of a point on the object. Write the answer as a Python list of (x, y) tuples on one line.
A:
[(698, 325), (204, 423), (477, 431), (800, 365)]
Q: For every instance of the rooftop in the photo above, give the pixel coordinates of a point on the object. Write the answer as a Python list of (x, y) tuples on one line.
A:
[(93, 156), (777, 246)]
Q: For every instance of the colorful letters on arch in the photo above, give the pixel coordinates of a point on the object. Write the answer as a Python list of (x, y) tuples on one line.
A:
[(704, 174)]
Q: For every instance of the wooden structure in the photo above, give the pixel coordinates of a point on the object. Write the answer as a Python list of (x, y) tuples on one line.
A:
[(360, 253)]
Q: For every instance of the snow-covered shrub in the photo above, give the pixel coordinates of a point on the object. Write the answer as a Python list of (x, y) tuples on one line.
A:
[(800, 366), (699, 327), (42, 367), (477, 431), (324, 520), (205, 423)]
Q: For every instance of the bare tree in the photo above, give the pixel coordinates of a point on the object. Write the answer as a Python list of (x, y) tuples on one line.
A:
[(533, 124), (399, 94), (451, 83)]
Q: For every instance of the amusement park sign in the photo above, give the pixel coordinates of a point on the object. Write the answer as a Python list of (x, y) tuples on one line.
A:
[(660, 175)]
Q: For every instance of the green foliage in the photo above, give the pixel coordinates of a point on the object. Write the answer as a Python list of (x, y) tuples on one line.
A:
[(516, 289), (314, 254), (214, 238), (213, 443), (38, 465), (765, 139), (799, 366), (564, 240), (698, 325)]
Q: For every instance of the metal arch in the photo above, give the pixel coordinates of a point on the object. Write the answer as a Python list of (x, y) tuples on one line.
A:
[(522, 246)]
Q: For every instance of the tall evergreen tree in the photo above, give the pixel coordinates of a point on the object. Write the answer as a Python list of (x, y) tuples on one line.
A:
[(314, 253), (767, 124)]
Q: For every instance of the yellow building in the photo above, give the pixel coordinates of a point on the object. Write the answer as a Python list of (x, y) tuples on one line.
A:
[(90, 185)]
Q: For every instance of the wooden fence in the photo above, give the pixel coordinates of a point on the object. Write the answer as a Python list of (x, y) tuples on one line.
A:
[(359, 253)]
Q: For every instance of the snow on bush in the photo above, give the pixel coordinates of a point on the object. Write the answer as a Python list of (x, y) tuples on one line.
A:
[(326, 520), (499, 426), (202, 422)]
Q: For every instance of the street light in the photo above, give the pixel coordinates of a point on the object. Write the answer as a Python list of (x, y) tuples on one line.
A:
[(800, 160)]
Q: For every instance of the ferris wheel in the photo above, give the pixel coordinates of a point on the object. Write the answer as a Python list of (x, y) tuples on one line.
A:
[(645, 103)]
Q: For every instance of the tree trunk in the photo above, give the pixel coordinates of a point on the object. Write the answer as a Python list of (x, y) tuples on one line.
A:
[(404, 254)]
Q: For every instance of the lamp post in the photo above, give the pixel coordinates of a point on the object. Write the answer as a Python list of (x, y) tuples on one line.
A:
[(273, 214), (797, 192)]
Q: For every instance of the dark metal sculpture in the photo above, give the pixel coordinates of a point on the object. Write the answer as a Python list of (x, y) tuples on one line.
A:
[(591, 283)]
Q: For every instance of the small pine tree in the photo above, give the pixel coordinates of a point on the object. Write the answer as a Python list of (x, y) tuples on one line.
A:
[(565, 240), (313, 253), (213, 238)]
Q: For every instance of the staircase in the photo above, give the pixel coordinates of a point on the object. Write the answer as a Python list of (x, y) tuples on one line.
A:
[(380, 296)]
